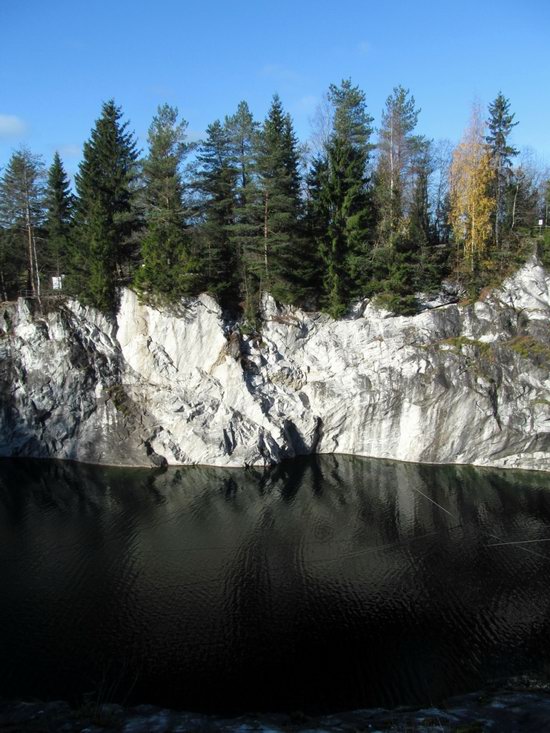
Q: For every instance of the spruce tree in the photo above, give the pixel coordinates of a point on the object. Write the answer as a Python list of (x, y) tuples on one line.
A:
[(22, 216), (279, 184), (167, 270), (500, 125), (59, 211), (345, 248), (315, 225), (106, 213), (216, 183), (247, 225)]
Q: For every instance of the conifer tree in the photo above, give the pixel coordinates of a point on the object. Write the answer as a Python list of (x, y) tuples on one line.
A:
[(22, 215), (167, 270), (243, 130), (12, 263), (316, 226), (59, 211), (279, 185), (344, 251), (106, 213), (397, 150), (500, 125), (216, 183), (247, 225), (418, 220)]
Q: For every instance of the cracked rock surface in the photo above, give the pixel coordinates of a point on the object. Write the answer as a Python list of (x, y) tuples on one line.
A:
[(453, 384)]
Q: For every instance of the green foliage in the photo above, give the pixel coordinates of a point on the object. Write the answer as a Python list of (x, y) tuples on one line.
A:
[(398, 149), (543, 248), (343, 186), (13, 273), (59, 212), (307, 275), (458, 343), (500, 125), (530, 348), (399, 280), (21, 218), (279, 186), (245, 229), (106, 212), (351, 122), (216, 183), (251, 221), (167, 270)]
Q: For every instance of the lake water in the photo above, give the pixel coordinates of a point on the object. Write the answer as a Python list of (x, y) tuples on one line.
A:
[(324, 584)]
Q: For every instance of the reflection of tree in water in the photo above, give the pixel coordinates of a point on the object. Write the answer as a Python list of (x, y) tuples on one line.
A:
[(262, 583)]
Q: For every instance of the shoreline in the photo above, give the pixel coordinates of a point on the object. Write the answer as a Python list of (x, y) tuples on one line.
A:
[(522, 704), (268, 467)]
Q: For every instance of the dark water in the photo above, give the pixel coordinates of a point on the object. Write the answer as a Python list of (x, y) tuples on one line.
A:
[(327, 583)]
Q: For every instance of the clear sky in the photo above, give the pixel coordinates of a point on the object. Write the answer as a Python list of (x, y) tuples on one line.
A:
[(59, 60)]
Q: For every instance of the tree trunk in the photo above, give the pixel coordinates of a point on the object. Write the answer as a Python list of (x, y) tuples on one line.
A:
[(498, 202), (30, 254), (36, 270), (514, 206), (266, 233), (391, 178)]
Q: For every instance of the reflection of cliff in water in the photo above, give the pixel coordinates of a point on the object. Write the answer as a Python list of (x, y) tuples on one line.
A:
[(259, 585)]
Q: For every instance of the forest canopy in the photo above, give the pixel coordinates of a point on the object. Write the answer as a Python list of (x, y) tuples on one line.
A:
[(360, 212)]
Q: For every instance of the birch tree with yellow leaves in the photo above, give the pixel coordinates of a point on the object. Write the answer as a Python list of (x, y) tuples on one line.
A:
[(472, 202)]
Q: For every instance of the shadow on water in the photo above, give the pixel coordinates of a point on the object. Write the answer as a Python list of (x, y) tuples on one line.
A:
[(325, 583)]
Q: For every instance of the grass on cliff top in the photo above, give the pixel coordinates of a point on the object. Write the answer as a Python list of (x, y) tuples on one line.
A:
[(530, 348), (457, 343)]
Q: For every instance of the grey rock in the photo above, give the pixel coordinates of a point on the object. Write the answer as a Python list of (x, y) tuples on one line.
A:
[(453, 384)]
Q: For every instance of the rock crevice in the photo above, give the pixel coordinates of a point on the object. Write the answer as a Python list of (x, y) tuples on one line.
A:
[(453, 384)]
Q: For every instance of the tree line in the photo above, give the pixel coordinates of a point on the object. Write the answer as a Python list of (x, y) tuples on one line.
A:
[(357, 213)]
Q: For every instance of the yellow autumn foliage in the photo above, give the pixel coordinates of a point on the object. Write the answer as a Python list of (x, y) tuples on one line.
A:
[(472, 203)]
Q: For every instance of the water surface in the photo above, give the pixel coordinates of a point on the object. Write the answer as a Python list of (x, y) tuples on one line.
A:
[(326, 583)]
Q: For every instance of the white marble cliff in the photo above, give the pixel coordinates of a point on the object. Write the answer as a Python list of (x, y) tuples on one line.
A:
[(454, 384)]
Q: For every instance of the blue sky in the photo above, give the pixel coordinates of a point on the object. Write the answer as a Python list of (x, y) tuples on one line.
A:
[(60, 60)]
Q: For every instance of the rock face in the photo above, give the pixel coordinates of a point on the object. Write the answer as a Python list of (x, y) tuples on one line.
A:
[(454, 384)]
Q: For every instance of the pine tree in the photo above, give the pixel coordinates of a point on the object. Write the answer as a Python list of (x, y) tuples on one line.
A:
[(500, 125), (21, 216), (344, 252), (279, 184), (106, 213), (167, 270), (59, 211), (397, 150), (216, 183)]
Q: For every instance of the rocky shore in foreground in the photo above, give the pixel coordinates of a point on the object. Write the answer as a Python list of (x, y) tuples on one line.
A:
[(522, 705)]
